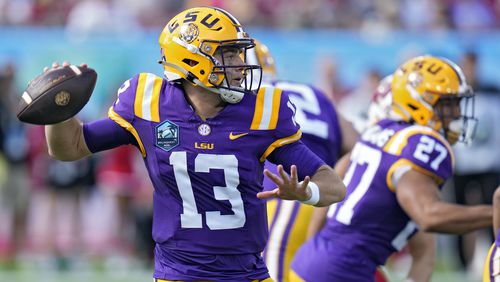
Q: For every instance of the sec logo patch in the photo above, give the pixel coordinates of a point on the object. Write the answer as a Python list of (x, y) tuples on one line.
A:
[(204, 129)]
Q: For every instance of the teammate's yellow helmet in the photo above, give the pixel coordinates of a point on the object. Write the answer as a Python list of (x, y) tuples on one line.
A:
[(428, 90), (262, 56), (188, 44)]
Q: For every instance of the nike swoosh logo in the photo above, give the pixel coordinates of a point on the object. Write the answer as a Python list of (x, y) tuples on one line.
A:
[(236, 136)]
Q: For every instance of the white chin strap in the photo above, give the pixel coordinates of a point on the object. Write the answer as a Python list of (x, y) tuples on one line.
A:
[(229, 96)]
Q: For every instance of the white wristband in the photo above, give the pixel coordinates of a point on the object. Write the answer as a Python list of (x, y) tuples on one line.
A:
[(314, 194)]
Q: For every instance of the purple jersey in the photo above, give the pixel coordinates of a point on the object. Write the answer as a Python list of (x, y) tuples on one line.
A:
[(318, 121), (206, 173), (369, 225)]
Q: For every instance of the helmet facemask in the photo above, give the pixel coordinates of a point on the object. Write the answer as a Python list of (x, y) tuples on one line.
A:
[(230, 65), (261, 55), (455, 114)]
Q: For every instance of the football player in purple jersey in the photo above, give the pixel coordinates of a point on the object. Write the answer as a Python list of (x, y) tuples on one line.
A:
[(326, 133), (204, 136), (422, 245), (491, 270), (394, 177)]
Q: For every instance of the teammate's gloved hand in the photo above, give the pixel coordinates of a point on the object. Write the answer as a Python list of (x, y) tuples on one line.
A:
[(289, 187)]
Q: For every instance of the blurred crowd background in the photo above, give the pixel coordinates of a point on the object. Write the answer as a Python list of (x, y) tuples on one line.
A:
[(96, 213), (355, 14)]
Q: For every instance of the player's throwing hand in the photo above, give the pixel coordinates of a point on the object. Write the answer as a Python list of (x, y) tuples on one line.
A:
[(288, 186)]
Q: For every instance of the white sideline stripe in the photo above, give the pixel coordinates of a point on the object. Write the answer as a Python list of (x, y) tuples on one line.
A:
[(27, 98), (76, 69)]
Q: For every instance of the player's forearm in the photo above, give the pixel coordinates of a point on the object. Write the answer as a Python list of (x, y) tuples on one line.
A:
[(332, 189), (451, 218), (421, 271), (422, 250), (496, 210), (65, 140)]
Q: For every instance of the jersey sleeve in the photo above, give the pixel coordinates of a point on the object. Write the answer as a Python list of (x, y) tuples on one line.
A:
[(422, 150), (297, 154), (286, 125), (104, 134), (138, 98), (275, 112), (124, 103)]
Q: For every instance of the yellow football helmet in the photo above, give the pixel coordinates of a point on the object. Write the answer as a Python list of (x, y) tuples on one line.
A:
[(429, 90), (261, 55), (191, 39)]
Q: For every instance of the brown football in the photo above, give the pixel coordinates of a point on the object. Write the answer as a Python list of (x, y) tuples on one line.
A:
[(56, 95)]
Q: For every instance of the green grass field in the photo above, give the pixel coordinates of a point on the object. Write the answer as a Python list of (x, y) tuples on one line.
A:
[(74, 276), (146, 276), (119, 269), (143, 275)]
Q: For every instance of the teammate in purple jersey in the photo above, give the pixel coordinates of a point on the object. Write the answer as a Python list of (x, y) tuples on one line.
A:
[(422, 245), (491, 270), (204, 137), (326, 133), (395, 174)]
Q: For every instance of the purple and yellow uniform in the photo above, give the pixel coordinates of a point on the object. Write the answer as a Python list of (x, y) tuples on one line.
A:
[(491, 270), (289, 220), (208, 223), (369, 225)]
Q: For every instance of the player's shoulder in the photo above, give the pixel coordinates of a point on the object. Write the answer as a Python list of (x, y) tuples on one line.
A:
[(141, 85), (139, 97), (273, 115), (407, 136), (270, 104), (424, 149)]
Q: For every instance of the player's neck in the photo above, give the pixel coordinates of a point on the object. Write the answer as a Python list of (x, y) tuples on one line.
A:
[(205, 103)]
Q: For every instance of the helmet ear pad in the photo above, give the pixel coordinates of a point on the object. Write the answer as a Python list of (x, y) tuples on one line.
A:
[(419, 118)]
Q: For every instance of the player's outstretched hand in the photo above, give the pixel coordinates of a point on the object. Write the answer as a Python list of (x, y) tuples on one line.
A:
[(289, 187)]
